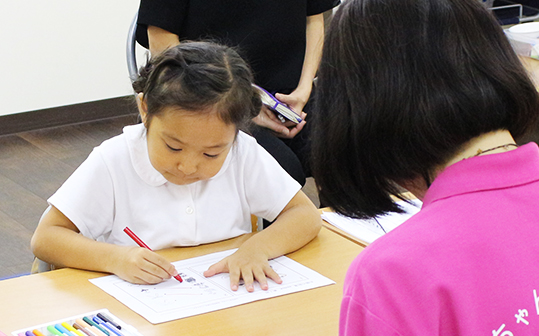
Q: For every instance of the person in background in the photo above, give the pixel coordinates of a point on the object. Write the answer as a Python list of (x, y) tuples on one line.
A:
[(428, 95), (281, 41), (185, 176)]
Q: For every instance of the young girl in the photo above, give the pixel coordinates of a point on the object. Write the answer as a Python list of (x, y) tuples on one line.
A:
[(429, 95), (185, 176)]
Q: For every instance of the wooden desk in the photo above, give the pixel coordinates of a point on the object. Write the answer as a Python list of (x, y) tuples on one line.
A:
[(45, 297)]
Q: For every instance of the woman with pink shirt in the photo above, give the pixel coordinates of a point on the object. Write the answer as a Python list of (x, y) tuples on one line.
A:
[(428, 95)]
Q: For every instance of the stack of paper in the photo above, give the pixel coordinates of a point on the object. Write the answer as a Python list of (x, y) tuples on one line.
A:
[(368, 230)]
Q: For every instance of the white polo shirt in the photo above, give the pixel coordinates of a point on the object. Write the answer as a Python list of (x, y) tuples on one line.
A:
[(117, 186)]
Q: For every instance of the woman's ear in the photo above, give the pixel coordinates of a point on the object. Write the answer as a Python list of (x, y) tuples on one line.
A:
[(142, 107)]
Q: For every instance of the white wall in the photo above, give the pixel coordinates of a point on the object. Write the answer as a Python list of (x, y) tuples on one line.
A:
[(62, 52)]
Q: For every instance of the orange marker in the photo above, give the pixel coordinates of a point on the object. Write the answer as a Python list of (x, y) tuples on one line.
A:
[(96, 331), (85, 327)]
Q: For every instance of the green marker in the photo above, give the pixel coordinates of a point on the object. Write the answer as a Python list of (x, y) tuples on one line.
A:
[(55, 331), (92, 323)]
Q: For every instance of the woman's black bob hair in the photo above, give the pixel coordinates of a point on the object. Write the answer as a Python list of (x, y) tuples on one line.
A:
[(402, 86)]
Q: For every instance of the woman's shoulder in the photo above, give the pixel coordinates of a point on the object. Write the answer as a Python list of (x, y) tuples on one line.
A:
[(413, 238)]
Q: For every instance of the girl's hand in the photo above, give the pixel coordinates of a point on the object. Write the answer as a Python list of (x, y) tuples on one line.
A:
[(141, 266), (247, 265)]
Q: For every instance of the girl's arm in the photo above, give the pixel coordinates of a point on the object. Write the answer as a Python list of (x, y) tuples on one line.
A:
[(296, 225), (57, 241)]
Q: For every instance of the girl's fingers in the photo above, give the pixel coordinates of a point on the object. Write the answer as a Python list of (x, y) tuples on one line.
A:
[(260, 276), (220, 267), (270, 273), (234, 279)]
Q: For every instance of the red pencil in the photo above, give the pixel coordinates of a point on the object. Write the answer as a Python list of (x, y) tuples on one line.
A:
[(142, 244)]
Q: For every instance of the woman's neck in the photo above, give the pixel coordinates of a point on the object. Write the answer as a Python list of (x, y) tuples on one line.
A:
[(485, 144)]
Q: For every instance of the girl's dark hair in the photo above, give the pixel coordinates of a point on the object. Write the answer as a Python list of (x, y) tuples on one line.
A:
[(196, 76), (403, 84)]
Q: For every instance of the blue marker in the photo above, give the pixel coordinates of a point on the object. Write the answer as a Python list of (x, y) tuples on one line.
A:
[(63, 330), (107, 325), (92, 323), (109, 320)]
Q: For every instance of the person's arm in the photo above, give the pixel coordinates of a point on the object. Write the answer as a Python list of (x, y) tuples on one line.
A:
[(313, 52), (57, 241), (299, 97), (296, 225), (160, 39)]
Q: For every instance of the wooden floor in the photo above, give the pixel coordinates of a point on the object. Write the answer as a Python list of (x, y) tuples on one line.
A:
[(33, 165)]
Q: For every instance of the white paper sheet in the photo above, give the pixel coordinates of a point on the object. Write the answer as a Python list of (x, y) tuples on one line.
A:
[(368, 230), (197, 294)]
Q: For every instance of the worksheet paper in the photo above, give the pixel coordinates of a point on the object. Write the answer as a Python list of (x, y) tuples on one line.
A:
[(171, 300), (368, 230)]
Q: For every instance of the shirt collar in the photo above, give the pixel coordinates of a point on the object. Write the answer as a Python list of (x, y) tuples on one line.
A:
[(138, 151), (487, 172)]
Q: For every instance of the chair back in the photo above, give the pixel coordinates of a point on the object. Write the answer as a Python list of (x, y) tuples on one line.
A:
[(130, 49)]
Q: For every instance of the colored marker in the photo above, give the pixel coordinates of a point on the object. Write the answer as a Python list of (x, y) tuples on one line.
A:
[(93, 324), (37, 332), (67, 326), (97, 331), (109, 320), (87, 328), (82, 323), (125, 330), (107, 325), (86, 331), (54, 331), (79, 333), (63, 330), (29, 333), (73, 330), (142, 244)]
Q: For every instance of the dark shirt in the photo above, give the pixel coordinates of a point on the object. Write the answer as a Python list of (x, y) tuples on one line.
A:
[(269, 35)]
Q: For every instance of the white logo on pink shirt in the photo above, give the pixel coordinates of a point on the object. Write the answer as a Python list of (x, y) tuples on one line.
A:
[(521, 317)]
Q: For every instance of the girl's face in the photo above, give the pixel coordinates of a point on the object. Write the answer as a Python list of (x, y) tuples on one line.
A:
[(187, 147)]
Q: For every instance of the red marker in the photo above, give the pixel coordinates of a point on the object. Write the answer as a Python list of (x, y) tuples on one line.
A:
[(142, 244)]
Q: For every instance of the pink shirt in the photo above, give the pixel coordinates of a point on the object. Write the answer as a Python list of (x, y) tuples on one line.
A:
[(466, 264)]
